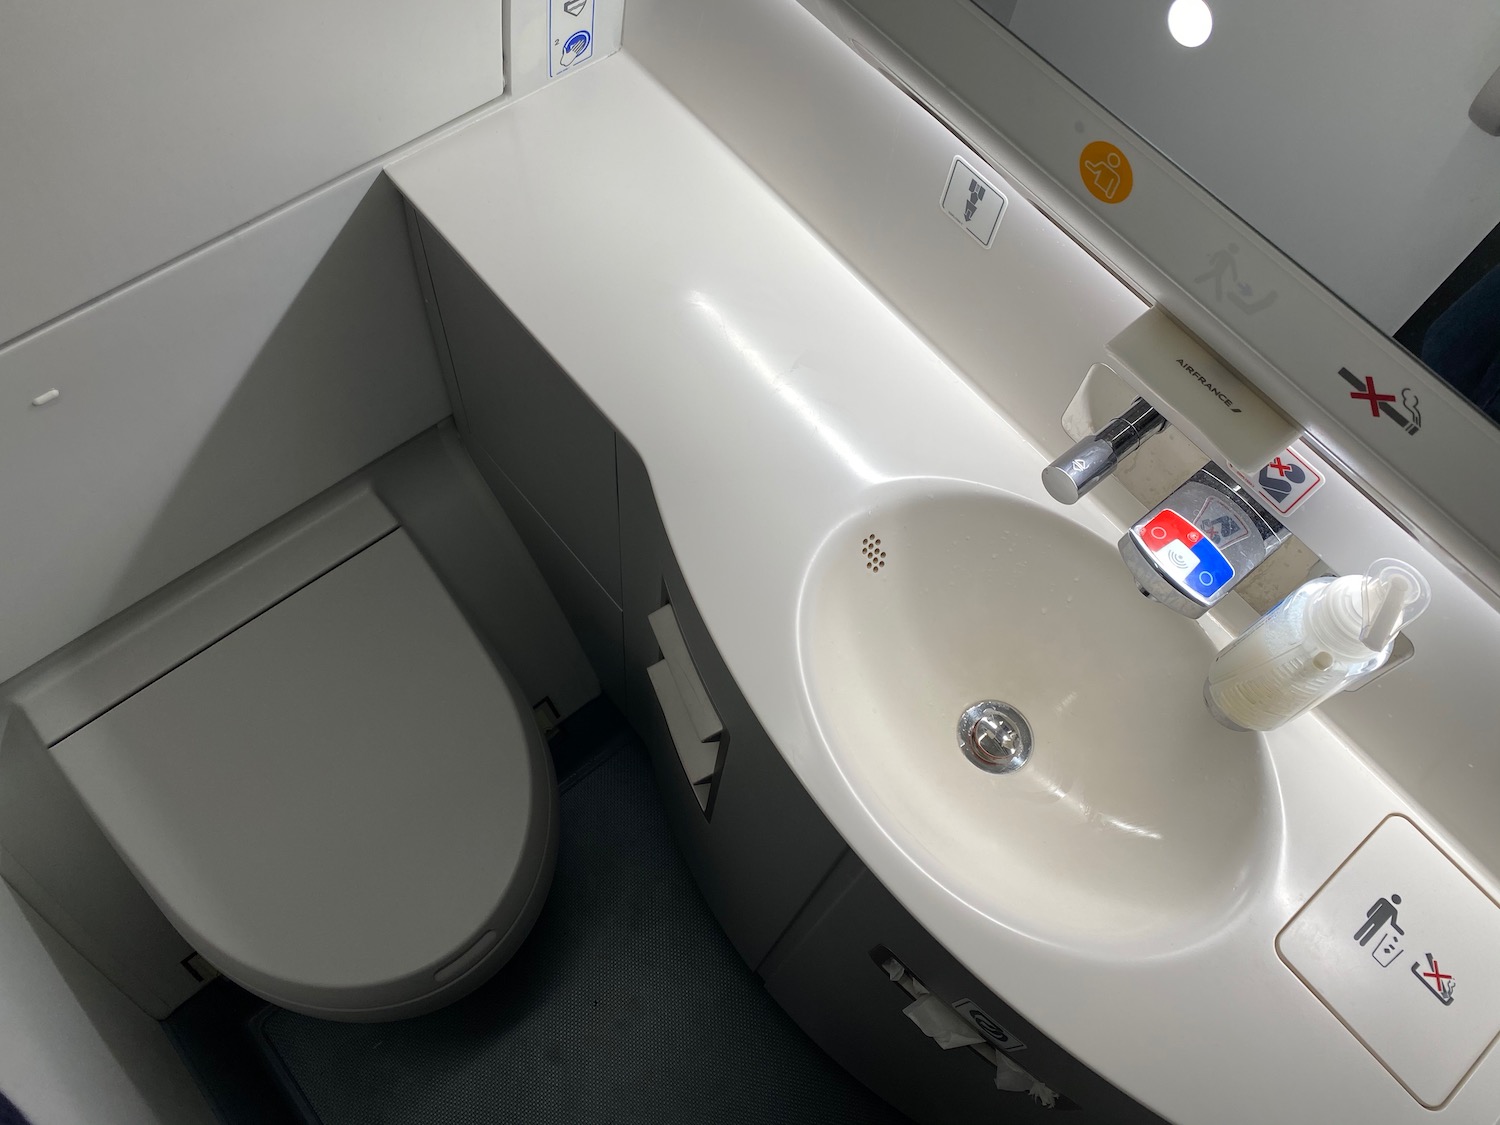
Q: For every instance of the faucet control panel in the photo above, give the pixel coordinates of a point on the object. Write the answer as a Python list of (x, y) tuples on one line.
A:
[(1187, 555), (1194, 546)]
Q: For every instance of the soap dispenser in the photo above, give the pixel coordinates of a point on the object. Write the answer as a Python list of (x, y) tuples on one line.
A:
[(1324, 637)]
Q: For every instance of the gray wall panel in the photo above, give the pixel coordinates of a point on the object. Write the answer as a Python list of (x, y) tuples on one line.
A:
[(202, 403)]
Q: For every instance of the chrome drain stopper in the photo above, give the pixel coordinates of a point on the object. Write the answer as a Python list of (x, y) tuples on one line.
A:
[(995, 736)]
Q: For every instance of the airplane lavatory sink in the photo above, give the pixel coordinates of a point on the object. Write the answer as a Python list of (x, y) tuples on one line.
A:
[(1134, 820)]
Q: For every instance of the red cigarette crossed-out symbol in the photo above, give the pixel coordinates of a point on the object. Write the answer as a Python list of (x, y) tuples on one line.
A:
[(1437, 976), (1437, 982), (1372, 396)]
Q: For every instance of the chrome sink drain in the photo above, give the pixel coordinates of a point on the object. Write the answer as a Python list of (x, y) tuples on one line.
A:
[(995, 736)]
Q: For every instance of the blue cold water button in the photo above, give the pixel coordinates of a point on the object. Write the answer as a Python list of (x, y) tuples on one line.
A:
[(1185, 555), (1213, 570)]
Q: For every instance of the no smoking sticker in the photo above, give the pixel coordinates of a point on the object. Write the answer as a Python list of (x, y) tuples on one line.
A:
[(1287, 480)]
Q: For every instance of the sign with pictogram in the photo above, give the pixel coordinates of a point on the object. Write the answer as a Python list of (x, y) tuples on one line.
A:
[(1105, 172), (1399, 406), (1287, 480), (1399, 943)]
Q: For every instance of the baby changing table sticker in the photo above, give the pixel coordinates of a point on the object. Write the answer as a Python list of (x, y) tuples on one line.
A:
[(1187, 555), (973, 202), (1105, 172), (1285, 481)]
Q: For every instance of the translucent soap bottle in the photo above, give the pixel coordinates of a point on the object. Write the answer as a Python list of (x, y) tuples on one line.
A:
[(1322, 638)]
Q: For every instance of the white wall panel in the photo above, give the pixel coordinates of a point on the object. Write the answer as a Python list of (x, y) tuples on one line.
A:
[(72, 1048), (202, 402), (133, 132)]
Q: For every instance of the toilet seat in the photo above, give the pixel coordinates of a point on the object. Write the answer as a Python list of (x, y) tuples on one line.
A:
[(344, 804)]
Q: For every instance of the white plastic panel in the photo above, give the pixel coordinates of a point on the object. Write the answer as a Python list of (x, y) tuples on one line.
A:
[(1199, 394), (1405, 949), (550, 39), (134, 132), (72, 1047), (201, 403)]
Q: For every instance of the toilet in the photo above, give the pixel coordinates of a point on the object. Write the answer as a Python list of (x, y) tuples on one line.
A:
[(344, 804)]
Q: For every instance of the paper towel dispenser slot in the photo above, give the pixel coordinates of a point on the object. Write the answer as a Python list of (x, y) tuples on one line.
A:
[(692, 723), (964, 1024)]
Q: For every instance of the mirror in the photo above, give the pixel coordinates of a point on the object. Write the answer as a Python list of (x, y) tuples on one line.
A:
[(1359, 139)]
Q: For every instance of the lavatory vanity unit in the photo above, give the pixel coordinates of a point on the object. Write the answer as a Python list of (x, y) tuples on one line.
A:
[(797, 545)]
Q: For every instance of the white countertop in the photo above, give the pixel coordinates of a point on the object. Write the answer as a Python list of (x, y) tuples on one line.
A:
[(767, 390)]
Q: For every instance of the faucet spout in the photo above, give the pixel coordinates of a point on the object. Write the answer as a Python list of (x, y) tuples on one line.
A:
[(1079, 469)]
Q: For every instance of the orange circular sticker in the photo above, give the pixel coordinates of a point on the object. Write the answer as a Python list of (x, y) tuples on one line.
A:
[(1105, 171)]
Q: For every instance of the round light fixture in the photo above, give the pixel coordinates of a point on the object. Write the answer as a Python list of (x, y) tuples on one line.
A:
[(1190, 22)]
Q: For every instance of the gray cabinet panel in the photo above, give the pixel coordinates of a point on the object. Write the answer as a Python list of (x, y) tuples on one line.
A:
[(593, 614), (764, 846), (527, 415), (824, 975)]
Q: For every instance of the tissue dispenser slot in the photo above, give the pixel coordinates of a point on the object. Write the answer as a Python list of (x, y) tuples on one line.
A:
[(949, 1026), (692, 723), (700, 710)]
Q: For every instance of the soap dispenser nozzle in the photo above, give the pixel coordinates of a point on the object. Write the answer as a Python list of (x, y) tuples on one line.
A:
[(1394, 594)]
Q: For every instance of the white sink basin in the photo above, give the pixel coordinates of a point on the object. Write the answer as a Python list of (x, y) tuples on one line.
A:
[(1137, 817)]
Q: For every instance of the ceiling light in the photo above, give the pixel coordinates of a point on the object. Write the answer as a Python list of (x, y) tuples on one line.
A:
[(1190, 22)]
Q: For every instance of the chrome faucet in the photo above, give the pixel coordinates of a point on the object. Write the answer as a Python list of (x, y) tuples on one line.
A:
[(1197, 544), (1077, 471)]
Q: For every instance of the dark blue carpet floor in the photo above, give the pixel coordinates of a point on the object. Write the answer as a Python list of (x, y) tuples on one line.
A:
[(626, 1005)]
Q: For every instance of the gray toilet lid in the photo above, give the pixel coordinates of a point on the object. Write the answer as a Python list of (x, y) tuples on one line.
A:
[(333, 797)]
